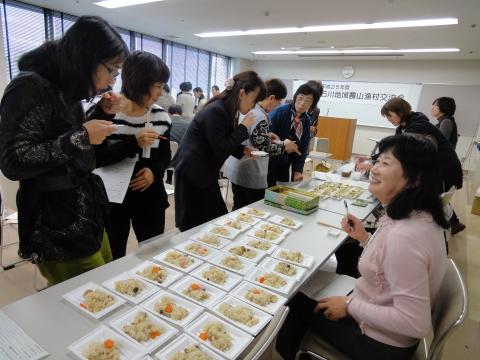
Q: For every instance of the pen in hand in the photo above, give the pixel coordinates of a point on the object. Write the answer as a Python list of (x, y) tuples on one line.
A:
[(350, 222)]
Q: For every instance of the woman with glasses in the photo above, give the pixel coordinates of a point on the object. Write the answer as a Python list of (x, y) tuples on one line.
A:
[(47, 144), (144, 125), (291, 121)]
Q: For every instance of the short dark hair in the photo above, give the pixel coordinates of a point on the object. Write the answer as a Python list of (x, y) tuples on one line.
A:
[(421, 168), (398, 106), (175, 109), (306, 89), (186, 86), (199, 89), (446, 105), (140, 72), (89, 42), (215, 87), (166, 88), (277, 88), (248, 81)]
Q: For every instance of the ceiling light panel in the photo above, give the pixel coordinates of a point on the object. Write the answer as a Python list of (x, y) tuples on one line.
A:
[(354, 52), (112, 4), (344, 27)]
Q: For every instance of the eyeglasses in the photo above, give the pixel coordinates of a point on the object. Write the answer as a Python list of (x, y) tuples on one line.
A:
[(113, 72)]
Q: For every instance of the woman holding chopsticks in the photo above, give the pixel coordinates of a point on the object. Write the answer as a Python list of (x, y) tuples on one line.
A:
[(143, 131)]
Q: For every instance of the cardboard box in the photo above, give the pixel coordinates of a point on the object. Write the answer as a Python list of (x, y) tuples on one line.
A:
[(302, 202), (476, 205)]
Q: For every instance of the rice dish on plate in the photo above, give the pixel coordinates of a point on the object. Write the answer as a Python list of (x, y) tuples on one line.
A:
[(232, 262), (130, 287), (236, 224), (217, 335), (261, 297), (290, 255), (260, 244), (221, 230), (142, 328), (274, 228), (272, 279), (154, 272), (106, 350), (167, 307), (192, 352), (215, 274), (243, 251), (288, 221), (285, 269), (242, 314), (178, 259), (210, 239), (256, 212), (96, 300), (197, 249), (244, 217), (266, 234), (197, 292)]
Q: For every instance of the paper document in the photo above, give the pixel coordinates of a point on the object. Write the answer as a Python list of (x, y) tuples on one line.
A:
[(116, 178), (15, 344)]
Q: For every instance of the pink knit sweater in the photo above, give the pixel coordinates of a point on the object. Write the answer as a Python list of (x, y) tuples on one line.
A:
[(402, 268)]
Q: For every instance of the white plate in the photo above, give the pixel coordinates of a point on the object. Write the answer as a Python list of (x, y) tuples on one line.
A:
[(198, 237), (208, 251), (151, 344), (231, 281), (149, 288), (75, 297), (240, 291), (277, 219), (308, 260), (248, 239), (263, 317), (259, 254), (284, 231), (217, 260), (249, 210), (172, 275), (215, 293), (180, 344), (257, 273), (270, 263), (161, 258), (253, 230), (227, 220), (240, 339), (193, 309), (230, 233), (252, 220), (259, 153), (128, 349)]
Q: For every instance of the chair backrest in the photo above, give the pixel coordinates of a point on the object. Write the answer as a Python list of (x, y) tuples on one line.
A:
[(266, 337), (173, 147), (319, 144), (450, 309)]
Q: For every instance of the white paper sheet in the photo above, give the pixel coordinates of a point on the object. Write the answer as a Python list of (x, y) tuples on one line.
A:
[(116, 178), (15, 344)]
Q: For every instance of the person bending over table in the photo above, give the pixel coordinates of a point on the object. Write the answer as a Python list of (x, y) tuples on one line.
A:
[(291, 121), (143, 77), (47, 144), (390, 307), (212, 137)]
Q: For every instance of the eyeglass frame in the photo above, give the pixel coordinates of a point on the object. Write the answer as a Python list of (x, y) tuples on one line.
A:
[(112, 71)]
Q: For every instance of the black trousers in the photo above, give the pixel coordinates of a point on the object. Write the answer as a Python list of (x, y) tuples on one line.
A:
[(194, 205), (146, 215), (277, 171), (345, 335), (243, 196)]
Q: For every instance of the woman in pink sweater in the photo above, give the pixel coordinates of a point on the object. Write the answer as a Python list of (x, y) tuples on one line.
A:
[(401, 267)]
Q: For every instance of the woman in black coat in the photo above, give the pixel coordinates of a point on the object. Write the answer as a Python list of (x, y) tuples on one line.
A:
[(212, 137)]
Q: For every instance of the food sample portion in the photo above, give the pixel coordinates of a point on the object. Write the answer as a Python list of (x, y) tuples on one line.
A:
[(288, 222), (196, 292), (104, 350), (167, 307), (197, 249), (154, 272), (236, 224), (260, 245), (96, 300), (233, 262), (256, 212), (272, 279), (286, 269), (246, 218), (291, 255), (130, 287), (266, 234), (211, 240), (261, 297), (179, 259), (215, 274), (217, 335), (192, 352), (273, 228), (221, 230), (142, 328), (243, 251), (242, 314)]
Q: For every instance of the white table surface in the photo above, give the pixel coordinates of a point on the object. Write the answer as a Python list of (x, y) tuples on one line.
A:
[(55, 324)]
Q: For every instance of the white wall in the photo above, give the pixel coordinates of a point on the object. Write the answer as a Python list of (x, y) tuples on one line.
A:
[(406, 71)]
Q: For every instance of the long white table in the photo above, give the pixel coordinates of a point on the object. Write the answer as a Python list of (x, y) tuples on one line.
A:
[(55, 324)]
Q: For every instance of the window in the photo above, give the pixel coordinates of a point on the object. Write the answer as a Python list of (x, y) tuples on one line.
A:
[(27, 26)]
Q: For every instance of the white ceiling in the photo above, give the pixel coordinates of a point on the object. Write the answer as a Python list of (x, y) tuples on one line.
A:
[(183, 18)]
